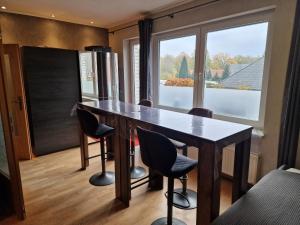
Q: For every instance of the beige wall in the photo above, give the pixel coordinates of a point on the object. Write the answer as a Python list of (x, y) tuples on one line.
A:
[(34, 31), (283, 17)]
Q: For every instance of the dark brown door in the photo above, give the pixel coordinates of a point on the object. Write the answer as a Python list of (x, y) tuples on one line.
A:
[(9, 165), (52, 84), (16, 100)]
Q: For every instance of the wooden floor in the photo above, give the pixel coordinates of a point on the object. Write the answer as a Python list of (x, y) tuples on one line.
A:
[(57, 193)]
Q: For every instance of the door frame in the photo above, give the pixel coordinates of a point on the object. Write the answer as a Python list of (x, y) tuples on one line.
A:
[(17, 102), (13, 163)]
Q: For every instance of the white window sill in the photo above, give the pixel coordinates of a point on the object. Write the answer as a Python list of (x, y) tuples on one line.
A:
[(84, 97), (258, 133)]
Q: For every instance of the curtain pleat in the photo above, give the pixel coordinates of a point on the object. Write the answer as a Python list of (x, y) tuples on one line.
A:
[(145, 31)]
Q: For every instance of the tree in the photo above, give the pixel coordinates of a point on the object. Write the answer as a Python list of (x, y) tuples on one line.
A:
[(220, 60), (208, 75), (240, 59), (168, 69), (226, 71), (183, 71), (208, 61)]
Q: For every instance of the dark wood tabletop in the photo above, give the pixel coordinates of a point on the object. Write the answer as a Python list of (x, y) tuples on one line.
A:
[(210, 136), (195, 126)]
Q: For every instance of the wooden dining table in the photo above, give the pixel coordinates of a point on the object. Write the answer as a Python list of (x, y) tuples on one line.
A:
[(209, 136)]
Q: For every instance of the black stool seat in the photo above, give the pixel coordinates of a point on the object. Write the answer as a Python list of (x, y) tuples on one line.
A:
[(182, 166), (104, 130)]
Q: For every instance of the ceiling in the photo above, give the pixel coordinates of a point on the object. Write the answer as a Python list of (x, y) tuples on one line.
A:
[(103, 13)]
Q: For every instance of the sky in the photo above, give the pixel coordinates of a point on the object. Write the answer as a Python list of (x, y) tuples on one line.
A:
[(247, 40)]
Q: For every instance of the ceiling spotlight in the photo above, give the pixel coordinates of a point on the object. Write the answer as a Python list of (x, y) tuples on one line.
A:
[(3, 7), (92, 22), (52, 15)]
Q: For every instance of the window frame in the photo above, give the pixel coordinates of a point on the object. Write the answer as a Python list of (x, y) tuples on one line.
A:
[(201, 32)]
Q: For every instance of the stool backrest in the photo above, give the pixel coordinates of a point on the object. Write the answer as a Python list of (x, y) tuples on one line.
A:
[(201, 112), (146, 102), (157, 151), (88, 122)]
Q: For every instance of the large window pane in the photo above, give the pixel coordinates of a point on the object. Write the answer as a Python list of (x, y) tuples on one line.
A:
[(176, 72), (234, 70), (87, 73)]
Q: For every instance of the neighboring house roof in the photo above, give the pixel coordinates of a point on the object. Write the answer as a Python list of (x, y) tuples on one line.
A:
[(249, 77), (233, 68)]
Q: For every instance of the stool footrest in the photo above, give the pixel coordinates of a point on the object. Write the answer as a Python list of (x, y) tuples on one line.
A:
[(183, 197), (94, 156), (140, 184), (163, 221)]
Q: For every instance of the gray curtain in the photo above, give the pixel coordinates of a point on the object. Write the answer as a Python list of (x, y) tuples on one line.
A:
[(145, 30), (290, 121)]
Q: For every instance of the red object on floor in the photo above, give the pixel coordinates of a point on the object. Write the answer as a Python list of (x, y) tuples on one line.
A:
[(136, 141)]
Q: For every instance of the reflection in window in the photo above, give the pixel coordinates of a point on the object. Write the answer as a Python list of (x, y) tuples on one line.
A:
[(88, 74)]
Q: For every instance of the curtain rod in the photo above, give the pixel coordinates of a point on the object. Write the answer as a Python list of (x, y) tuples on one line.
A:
[(170, 15)]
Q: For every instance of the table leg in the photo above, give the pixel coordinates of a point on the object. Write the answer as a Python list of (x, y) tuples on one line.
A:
[(110, 148), (84, 152), (122, 161), (209, 182), (109, 141), (241, 169)]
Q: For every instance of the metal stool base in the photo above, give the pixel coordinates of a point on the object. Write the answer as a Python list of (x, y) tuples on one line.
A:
[(163, 221), (103, 179), (137, 172), (182, 202)]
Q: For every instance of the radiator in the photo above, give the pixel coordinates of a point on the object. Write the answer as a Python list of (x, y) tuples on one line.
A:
[(228, 163)]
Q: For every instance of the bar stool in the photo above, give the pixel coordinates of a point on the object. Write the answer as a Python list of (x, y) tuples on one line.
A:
[(92, 128), (185, 198), (159, 154), (137, 171)]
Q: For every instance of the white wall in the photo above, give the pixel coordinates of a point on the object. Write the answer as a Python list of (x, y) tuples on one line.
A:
[(283, 18)]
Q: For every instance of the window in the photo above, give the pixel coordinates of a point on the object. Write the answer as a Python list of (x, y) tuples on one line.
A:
[(176, 72), (88, 75), (135, 70), (221, 66), (234, 70)]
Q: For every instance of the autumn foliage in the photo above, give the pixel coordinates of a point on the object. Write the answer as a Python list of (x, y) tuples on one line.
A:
[(180, 82)]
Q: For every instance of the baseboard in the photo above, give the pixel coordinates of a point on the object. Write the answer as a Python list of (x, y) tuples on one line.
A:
[(230, 178)]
